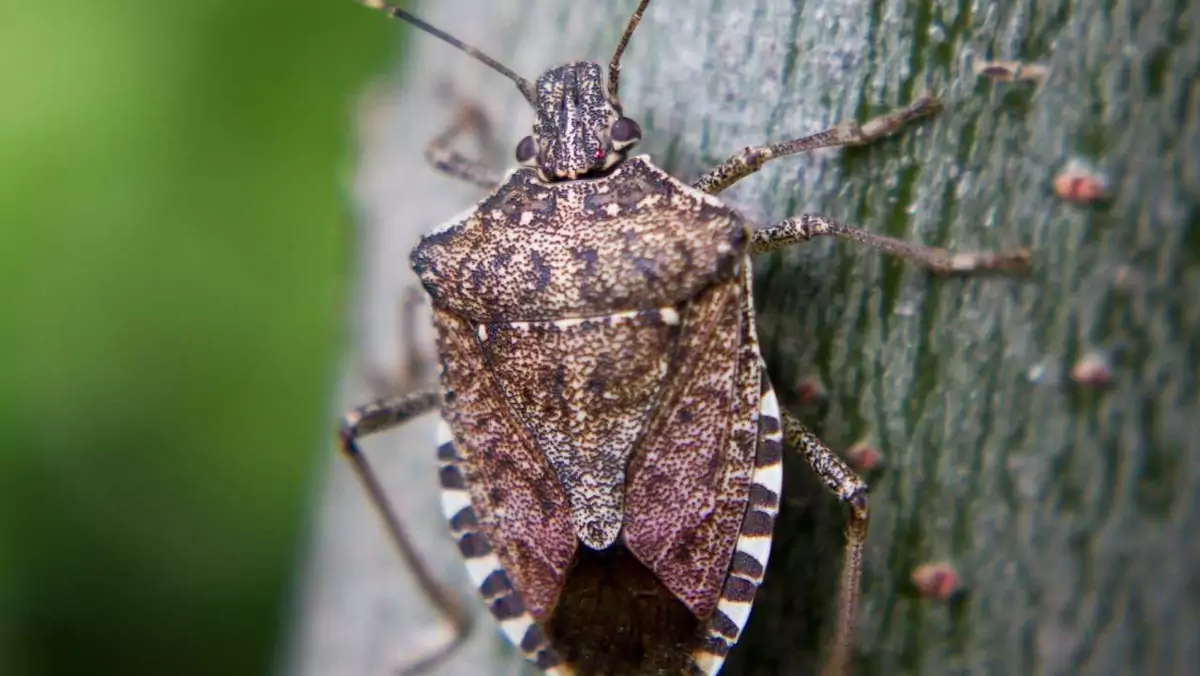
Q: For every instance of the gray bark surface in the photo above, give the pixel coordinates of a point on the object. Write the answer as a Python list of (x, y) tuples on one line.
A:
[(1071, 514)]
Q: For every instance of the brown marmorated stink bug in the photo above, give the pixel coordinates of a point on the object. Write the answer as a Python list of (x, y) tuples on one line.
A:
[(610, 445)]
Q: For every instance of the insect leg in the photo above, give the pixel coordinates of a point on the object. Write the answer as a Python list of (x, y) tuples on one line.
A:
[(377, 417), (468, 118), (389, 382), (806, 226), (851, 490), (418, 365), (751, 159)]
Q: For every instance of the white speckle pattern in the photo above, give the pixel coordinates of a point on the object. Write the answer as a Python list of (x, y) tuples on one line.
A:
[(770, 405), (737, 611), (444, 435), (454, 501), (515, 628), (758, 547), (769, 477), (480, 568)]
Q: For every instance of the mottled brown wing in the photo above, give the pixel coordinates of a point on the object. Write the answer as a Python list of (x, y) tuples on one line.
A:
[(517, 498), (584, 389), (689, 479)]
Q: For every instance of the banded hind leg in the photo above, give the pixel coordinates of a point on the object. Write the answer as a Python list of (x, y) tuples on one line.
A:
[(378, 417), (806, 227), (851, 490)]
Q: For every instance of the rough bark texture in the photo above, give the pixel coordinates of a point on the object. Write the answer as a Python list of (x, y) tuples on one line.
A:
[(1071, 514)]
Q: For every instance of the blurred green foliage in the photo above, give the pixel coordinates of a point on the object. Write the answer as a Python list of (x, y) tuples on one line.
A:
[(174, 239)]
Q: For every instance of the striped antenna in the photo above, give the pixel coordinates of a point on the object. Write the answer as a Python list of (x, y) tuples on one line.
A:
[(614, 66), (395, 12)]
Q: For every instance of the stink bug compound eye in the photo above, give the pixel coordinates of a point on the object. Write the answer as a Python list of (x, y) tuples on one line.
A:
[(610, 445)]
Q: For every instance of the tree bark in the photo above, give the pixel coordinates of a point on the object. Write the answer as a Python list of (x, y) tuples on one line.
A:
[(1070, 513)]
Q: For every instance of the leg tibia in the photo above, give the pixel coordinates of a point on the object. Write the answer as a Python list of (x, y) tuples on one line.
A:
[(851, 490), (378, 417), (806, 227), (751, 159)]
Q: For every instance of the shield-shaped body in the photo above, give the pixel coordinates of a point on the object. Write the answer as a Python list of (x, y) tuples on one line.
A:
[(611, 449)]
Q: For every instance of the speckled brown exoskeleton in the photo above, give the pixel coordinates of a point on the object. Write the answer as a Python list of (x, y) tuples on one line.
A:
[(610, 445)]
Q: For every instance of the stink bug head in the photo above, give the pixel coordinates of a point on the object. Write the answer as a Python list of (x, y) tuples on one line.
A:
[(578, 129)]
